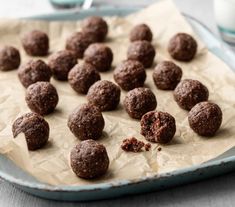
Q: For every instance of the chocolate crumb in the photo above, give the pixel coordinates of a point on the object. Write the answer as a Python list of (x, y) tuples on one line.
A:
[(159, 149), (132, 145), (147, 146)]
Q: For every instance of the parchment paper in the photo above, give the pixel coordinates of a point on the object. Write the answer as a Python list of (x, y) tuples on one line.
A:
[(51, 164)]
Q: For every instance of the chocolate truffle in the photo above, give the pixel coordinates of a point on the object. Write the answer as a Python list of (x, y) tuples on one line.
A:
[(78, 42), (141, 32), (35, 129), (100, 56), (36, 43), (41, 97), (190, 92), (86, 122), (9, 58), (34, 71), (130, 74), (104, 94), (167, 75), (61, 63), (82, 76), (182, 47), (157, 126), (89, 159), (205, 118), (97, 26), (142, 51), (139, 101)]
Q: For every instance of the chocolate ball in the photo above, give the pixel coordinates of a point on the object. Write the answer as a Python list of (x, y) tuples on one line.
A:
[(167, 75), (41, 97), (190, 92), (79, 41), (157, 126), (82, 76), (86, 122), (35, 129), (141, 32), (139, 101), (142, 51), (104, 94), (61, 63), (96, 25), (89, 159), (34, 71), (130, 74), (100, 56), (205, 118), (9, 58), (182, 47), (36, 43)]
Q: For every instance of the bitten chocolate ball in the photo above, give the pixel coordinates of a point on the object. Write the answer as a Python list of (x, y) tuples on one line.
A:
[(36, 43), (139, 101), (167, 75), (61, 63), (182, 47), (104, 94), (130, 74), (82, 76), (142, 51), (86, 122), (41, 97), (9, 58), (34, 71), (205, 118), (157, 126), (96, 25), (79, 41), (190, 92), (89, 159), (35, 129), (141, 32), (100, 56)]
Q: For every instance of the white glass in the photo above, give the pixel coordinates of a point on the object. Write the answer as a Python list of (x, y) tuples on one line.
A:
[(225, 18)]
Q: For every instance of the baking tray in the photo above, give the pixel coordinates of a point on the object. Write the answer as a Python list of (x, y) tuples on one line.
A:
[(222, 164)]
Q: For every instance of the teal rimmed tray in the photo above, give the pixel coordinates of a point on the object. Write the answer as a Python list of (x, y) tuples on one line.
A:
[(222, 164)]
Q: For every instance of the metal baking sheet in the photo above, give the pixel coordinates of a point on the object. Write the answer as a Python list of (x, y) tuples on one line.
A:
[(222, 164)]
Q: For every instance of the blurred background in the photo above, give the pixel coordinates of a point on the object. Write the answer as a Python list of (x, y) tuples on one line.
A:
[(209, 12)]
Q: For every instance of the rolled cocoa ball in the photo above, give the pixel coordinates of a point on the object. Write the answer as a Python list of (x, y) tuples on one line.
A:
[(96, 25), (82, 76), (141, 51), (34, 71), (35, 129), (9, 58), (104, 94), (78, 42), (182, 47), (61, 63), (157, 126), (42, 97), (130, 74), (205, 118), (100, 56), (86, 122), (167, 75), (89, 159), (141, 32), (36, 43), (190, 92), (139, 101)]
